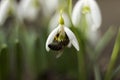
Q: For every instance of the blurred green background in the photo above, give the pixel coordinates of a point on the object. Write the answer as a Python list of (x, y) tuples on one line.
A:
[(23, 55)]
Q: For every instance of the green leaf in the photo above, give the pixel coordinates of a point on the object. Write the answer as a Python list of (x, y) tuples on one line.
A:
[(113, 58), (104, 41)]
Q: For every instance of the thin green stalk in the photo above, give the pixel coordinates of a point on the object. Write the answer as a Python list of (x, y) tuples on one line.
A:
[(97, 72), (95, 66), (19, 59), (104, 41), (82, 75), (70, 7), (44, 62), (4, 63), (113, 58), (30, 38), (81, 65), (81, 35)]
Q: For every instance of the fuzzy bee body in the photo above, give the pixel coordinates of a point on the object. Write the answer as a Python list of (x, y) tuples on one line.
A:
[(55, 46), (59, 45)]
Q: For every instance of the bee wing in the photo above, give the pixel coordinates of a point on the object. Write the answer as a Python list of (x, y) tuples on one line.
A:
[(69, 45), (59, 54)]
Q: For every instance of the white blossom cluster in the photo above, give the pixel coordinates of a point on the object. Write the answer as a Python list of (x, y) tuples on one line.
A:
[(25, 9)]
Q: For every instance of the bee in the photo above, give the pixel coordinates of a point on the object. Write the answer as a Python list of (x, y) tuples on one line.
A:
[(59, 45), (56, 46)]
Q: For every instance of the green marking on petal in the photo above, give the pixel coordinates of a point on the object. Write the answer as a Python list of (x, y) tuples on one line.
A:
[(61, 20), (35, 3), (86, 9)]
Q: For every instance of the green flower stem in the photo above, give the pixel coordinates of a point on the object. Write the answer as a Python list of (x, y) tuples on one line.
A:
[(70, 7), (81, 35), (81, 65), (113, 58), (19, 58), (92, 56), (30, 39), (97, 72), (82, 75), (4, 63), (44, 61)]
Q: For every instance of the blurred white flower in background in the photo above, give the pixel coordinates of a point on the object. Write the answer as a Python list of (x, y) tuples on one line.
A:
[(28, 9), (49, 6), (92, 13), (54, 21), (7, 7)]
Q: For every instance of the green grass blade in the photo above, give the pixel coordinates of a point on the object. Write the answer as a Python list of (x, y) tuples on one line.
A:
[(113, 58), (104, 41)]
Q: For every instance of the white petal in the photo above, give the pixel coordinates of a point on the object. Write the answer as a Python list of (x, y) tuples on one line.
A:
[(53, 22), (72, 38), (76, 14), (89, 21), (4, 8), (51, 37), (95, 13)]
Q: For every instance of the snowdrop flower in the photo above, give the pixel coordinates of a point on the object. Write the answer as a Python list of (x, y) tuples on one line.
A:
[(91, 10), (28, 9), (53, 6), (49, 6), (54, 21), (61, 37), (5, 7)]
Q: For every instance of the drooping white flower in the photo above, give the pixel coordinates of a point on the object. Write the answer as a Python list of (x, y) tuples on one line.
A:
[(61, 37), (67, 32), (54, 21), (5, 7), (49, 6), (92, 13), (28, 9)]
